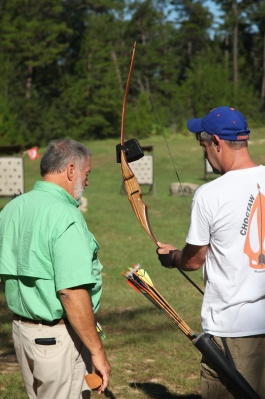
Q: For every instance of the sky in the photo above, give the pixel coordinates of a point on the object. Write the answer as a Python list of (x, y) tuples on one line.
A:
[(215, 10), (213, 7)]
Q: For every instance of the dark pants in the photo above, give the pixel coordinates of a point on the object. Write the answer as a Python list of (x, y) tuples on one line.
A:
[(248, 354)]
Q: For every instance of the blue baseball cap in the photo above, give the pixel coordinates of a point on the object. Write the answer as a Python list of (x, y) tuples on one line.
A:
[(226, 122)]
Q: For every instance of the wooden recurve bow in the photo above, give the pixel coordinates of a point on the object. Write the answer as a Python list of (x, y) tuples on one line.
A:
[(131, 184), (130, 181)]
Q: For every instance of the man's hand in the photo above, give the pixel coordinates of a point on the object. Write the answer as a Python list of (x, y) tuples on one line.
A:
[(167, 255), (102, 368), (191, 257), (78, 306)]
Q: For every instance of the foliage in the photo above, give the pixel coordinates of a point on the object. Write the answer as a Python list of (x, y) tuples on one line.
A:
[(64, 65)]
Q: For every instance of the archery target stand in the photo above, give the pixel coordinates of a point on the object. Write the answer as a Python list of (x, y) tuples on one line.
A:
[(143, 170), (11, 172)]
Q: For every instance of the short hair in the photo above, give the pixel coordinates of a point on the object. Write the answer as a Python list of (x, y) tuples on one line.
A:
[(59, 153), (204, 136), (235, 145)]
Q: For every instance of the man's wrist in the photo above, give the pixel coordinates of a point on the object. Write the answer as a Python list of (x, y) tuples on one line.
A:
[(176, 258)]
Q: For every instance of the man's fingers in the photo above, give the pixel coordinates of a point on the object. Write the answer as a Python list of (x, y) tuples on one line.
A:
[(164, 248)]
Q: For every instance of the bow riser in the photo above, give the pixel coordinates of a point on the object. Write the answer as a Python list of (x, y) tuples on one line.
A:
[(140, 210), (135, 197)]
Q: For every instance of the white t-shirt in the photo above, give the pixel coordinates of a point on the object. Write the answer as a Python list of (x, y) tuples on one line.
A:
[(229, 215)]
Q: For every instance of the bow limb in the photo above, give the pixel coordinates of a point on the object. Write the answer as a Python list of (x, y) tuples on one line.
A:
[(130, 181), (123, 115)]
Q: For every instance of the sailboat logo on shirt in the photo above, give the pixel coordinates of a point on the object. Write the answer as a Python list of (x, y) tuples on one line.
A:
[(254, 246)]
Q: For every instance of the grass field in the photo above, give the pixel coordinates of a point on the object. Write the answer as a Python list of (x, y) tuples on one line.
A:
[(150, 357)]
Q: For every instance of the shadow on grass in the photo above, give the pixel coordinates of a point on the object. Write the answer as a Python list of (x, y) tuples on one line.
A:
[(109, 394), (126, 320), (158, 391), (124, 323)]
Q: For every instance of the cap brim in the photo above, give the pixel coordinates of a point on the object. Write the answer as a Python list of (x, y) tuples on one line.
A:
[(195, 125)]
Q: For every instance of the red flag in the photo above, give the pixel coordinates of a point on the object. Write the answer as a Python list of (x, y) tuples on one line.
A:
[(33, 153)]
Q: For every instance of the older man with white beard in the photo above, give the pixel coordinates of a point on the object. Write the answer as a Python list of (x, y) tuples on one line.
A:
[(52, 276)]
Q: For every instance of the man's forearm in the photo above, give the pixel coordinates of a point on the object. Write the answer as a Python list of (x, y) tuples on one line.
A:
[(78, 306), (191, 257), (79, 311)]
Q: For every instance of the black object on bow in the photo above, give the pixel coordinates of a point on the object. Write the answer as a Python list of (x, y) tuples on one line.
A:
[(132, 150)]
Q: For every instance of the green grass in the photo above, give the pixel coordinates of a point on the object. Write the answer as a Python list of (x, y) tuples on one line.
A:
[(150, 357)]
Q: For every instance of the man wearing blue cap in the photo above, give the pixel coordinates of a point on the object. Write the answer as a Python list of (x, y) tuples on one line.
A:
[(227, 237)]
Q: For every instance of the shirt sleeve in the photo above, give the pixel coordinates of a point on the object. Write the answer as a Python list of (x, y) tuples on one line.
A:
[(199, 229), (75, 258)]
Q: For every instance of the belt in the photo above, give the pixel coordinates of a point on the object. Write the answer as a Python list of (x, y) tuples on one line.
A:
[(43, 322)]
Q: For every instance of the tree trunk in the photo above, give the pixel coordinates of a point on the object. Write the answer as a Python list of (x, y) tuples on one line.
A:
[(29, 82), (226, 49), (263, 75), (117, 69), (235, 50)]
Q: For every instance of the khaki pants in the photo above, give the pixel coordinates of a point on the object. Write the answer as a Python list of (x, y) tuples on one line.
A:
[(248, 354), (52, 371)]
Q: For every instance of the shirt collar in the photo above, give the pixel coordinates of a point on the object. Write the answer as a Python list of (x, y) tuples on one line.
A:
[(56, 190)]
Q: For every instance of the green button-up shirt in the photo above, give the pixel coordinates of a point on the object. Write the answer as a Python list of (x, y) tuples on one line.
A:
[(45, 246)]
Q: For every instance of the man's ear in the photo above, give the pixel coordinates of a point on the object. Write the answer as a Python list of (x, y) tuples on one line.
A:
[(216, 142), (215, 139), (70, 171)]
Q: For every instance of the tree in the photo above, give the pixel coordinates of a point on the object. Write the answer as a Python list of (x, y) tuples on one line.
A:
[(64, 65), (36, 36), (93, 94), (207, 86), (34, 39), (194, 21), (236, 27), (256, 14)]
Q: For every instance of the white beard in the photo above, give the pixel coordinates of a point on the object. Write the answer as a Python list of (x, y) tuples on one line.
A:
[(78, 189)]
